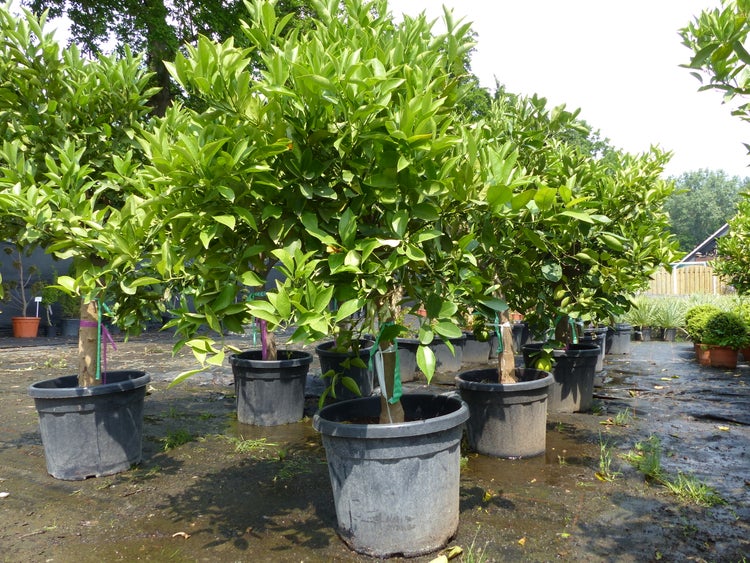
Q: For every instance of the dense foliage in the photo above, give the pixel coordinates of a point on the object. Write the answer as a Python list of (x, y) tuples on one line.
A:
[(347, 156), (718, 39)]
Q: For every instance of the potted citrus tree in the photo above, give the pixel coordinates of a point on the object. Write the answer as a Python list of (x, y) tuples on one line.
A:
[(54, 191)]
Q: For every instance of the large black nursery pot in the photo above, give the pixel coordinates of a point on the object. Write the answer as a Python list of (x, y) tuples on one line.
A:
[(447, 363), (574, 370), (598, 336), (270, 392), (475, 351), (619, 338), (506, 419), (407, 358), (91, 431), (395, 486), (333, 360)]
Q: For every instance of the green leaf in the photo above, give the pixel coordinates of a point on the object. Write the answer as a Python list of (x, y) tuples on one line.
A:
[(585, 217), (348, 308), (347, 228), (426, 362), (227, 220), (448, 330)]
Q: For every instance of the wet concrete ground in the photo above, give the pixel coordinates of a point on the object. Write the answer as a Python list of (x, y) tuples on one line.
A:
[(211, 500)]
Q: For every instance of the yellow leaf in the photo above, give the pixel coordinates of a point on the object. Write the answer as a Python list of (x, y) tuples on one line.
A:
[(454, 551), (440, 559), (522, 541), (724, 428)]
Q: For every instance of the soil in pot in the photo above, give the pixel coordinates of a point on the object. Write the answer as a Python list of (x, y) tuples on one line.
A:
[(395, 486), (91, 431), (506, 420), (574, 370), (333, 360), (270, 392)]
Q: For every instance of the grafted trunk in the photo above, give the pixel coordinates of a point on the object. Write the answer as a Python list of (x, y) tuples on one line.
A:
[(88, 345), (507, 360)]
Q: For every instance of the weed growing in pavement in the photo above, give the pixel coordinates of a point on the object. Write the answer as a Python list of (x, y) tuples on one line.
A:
[(605, 473), (177, 438), (646, 458)]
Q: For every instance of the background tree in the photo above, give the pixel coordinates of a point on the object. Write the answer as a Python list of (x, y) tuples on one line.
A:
[(720, 61), (157, 28), (703, 201)]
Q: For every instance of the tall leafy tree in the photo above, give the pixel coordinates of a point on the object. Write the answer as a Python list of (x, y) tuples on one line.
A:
[(157, 28), (720, 60), (703, 202)]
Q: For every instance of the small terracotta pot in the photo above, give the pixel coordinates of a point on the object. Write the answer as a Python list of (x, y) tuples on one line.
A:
[(723, 357), (702, 354), (25, 327)]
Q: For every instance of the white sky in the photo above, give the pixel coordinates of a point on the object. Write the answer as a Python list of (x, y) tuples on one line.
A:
[(617, 61)]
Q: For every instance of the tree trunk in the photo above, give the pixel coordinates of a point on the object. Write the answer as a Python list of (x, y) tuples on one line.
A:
[(507, 360), (88, 345), (389, 412)]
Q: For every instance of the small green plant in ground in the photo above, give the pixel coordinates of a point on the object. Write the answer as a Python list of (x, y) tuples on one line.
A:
[(689, 488), (176, 439), (622, 418), (605, 473), (474, 554), (646, 458)]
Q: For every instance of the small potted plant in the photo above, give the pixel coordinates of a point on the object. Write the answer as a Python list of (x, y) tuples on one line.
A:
[(19, 293), (724, 334), (695, 326)]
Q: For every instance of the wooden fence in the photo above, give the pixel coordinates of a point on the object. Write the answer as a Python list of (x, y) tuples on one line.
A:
[(687, 280)]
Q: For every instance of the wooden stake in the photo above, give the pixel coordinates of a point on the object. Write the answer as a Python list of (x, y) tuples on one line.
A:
[(87, 345)]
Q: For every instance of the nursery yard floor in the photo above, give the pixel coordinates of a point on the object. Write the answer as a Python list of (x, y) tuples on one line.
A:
[(210, 500)]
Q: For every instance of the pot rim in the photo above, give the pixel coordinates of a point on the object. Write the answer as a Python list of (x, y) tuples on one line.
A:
[(299, 358), (488, 387), (448, 421), (63, 389)]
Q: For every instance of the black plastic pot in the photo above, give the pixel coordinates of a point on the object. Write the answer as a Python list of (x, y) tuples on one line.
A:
[(69, 327), (506, 419), (407, 358), (597, 336), (395, 486), (621, 336), (447, 363), (91, 431), (475, 351), (270, 392), (573, 371), (332, 360)]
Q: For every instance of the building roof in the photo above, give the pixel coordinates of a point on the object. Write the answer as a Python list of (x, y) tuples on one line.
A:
[(707, 249)]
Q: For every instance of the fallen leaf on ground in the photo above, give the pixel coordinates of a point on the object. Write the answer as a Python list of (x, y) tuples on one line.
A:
[(522, 541), (181, 534), (724, 428)]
